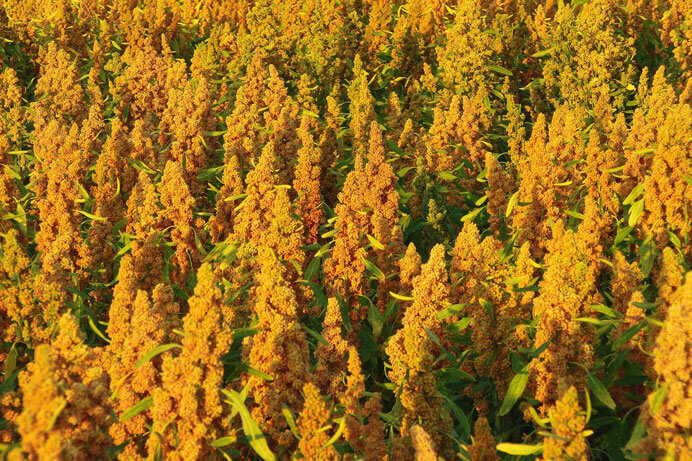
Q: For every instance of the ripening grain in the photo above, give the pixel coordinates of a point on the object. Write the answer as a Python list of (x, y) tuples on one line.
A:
[(345, 229)]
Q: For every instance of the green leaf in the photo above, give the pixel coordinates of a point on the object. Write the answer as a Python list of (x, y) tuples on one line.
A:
[(446, 175), (337, 434), (95, 329), (312, 268), (604, 310), (636, 210), (452, 309), (56, 414), (518, 449), (636, 192), (500, 70), (512, 203), (401, 297), (214, 133), (324, 249), (343, 309), (233, 198), (658, 399), (574, 214), (637, 434), (459, 326), (222, 442), (627, 335), (402, 172), (315, 335), (600, 391), (471, 215), (622, 234), (515, 390), (543, 53), (290, 419), (374, 242), (647, 256), (92, 216), (329, 234), (309, 113), (258, 373), (154, 352), (10, 362), (461, 417), (250, 428), (319, 294), (374, 270), (137, 408), (432, 336), (374, 316)]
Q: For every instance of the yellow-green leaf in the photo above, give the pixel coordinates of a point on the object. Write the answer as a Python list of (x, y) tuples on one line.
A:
[(519, 449)]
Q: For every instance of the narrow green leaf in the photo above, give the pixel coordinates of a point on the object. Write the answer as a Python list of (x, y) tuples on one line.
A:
[(600, 391), (223, 442), (452, 309), (137, 408), (461, 417), (636, 211), (154, 352), (634, 194), (374, 242), (374, 270), (471, 215), (627, 335), (92, 216), (401, 297), (337, 434), (250, 428), (432, 336), (638, 433), (574, 214), (95, 329), (604, 310), (343, 309), (658, 399), (324, 249), (313, 268), (10, 362), (515, 390), (374, 316), (518, 449), (402, 172), (512, 203), (647, 256), (315, 335), (543, 53), (290, 419), (56, 414), (258, 373), (309, 113), (459, 326), (317, 291), (500, 70)]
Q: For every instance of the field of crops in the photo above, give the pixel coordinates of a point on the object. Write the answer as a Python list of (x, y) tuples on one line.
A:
[(345, 229)]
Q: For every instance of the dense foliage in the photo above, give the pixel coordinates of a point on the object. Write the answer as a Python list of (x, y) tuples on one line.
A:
[(345, 229)]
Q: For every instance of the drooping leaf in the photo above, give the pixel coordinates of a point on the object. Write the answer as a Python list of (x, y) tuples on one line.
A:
[(250, 428)]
